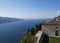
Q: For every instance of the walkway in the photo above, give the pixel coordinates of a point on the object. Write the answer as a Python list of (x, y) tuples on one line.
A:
[(38, 36)]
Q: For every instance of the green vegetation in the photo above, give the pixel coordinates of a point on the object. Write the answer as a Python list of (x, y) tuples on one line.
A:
[(54, 40), (35, 29), (38, 27), (28, 37), (49, 39)]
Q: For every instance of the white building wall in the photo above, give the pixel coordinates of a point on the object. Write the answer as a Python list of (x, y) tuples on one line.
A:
[(50, 29)]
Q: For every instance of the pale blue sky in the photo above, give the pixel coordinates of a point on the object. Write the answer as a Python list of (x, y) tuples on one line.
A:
[(29, 8)]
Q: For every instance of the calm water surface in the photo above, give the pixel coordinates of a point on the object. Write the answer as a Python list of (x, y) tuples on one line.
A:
[(12, 32)]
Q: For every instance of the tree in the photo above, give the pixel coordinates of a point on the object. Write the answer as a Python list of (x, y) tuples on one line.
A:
[(36, 28), (29, 30), (39, 27), (33, 31)]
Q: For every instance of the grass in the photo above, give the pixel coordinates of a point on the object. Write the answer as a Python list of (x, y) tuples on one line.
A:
[(49, 39), (54, 39)]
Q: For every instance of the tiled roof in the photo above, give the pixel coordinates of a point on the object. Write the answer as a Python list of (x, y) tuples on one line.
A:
[(52, 22)]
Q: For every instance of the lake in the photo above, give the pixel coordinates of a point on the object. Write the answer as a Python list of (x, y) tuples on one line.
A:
[(12, 32)]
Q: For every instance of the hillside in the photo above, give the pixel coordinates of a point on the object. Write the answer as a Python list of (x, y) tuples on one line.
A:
[(7, 19)]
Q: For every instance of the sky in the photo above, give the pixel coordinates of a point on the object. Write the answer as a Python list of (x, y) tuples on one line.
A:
[(29, 9)]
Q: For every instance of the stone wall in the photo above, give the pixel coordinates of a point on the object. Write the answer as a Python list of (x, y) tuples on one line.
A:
[(50, 29)]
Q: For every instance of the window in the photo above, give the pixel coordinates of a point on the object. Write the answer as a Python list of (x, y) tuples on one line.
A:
[(56, 27), (56, 32)]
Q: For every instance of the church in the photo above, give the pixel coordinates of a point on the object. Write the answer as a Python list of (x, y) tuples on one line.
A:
[(52, 27)]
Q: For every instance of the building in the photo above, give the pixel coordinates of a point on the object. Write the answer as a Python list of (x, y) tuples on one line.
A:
[(52, 27)]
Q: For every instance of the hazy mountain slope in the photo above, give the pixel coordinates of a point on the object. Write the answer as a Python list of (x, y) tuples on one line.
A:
[(7, 19)]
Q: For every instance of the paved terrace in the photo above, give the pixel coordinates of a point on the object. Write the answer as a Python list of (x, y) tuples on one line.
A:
[(38, 37)]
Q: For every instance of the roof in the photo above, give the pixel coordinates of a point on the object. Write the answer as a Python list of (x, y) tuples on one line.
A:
[(55, 21)]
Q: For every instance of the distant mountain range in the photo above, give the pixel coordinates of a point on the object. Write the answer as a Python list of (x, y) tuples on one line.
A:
[(8, 20)]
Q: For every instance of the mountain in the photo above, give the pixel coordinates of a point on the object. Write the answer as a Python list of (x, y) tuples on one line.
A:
[(8, 20)]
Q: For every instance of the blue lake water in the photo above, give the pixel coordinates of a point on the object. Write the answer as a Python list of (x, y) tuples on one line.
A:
[(12, 32)]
